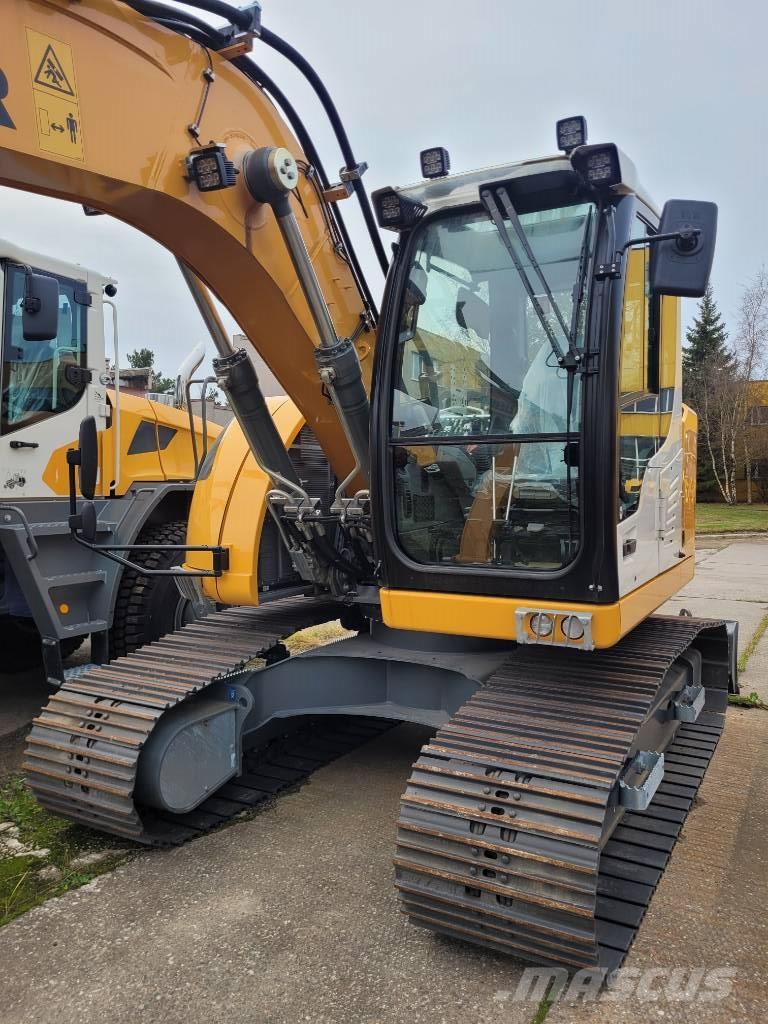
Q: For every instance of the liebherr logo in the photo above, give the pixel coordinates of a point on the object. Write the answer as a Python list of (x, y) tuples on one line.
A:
[(6, 121)]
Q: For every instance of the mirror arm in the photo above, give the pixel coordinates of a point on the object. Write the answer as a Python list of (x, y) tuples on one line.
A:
[(219, 556), (686, 242)]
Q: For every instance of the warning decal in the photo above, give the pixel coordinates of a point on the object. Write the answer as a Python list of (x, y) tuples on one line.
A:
[(54, 88), (52, 74)]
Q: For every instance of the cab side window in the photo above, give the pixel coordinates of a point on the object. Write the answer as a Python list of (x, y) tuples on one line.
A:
[(37, 379), (638, 433)]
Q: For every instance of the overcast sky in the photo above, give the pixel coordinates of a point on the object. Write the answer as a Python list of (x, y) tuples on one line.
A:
[(681, 86)]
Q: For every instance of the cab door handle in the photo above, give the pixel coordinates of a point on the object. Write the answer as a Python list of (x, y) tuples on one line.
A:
[(25, 444)]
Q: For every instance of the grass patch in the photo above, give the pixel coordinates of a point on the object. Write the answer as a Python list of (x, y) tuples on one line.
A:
[(720, 518), (316, 636), (27, 881), (755, 639), (747, 700), (543, 1008)]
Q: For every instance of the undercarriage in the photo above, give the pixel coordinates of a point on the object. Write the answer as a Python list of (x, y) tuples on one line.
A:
[(537, 821)]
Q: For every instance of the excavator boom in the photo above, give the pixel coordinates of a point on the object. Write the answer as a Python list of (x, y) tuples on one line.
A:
[(134, 101)]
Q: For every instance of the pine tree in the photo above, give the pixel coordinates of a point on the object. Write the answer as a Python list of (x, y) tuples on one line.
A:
[(706, 351)]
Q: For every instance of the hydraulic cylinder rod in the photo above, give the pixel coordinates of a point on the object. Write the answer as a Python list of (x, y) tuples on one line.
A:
[(271, 175), (236, 375)]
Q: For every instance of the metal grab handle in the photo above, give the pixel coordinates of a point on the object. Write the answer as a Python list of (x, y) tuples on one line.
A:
[(31, 542), (637, 797)]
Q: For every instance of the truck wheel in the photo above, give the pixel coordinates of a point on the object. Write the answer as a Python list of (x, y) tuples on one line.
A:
[(147, 607)]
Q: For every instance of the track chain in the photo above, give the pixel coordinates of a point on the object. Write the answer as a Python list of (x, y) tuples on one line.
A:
[(82, 753), (504, 837)]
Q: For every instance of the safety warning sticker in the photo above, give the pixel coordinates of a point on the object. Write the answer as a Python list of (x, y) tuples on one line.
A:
[(54, 87)]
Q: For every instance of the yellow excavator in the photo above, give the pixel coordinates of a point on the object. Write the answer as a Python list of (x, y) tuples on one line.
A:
[(492, 482)]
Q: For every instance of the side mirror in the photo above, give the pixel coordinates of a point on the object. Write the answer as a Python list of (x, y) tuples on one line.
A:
[(416, 286), (681, 265), (40, 307), (88, 521), (89, 457), (472, 311)]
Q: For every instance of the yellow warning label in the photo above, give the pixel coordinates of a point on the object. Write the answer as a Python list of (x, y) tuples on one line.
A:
[(54, 88)]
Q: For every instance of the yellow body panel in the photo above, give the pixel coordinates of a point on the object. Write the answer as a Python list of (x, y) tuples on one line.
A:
[(494, 617), (229, 505), (133, 167), (174, 461)]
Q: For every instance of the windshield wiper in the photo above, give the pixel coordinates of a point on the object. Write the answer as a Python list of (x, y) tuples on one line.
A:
[(489, 202), (514, 220), (572, 358)]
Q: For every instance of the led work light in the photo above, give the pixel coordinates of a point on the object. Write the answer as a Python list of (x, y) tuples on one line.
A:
[(435, 162), (210, 169), (571, 132)]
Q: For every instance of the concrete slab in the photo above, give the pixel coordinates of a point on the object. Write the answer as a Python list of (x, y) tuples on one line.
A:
[(749, 614), (709, 911), (731, 582), (738, 572), (289, 917)]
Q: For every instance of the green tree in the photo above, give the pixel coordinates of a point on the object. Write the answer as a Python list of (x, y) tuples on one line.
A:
[(709, 371), (145, 357), (706, 351)]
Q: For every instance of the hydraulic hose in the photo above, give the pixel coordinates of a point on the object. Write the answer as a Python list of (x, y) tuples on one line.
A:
[(239, 17), (290, 53), (244, 21), (204, 34)]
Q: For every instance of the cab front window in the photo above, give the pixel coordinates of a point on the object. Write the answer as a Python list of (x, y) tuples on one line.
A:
[(485, 418)]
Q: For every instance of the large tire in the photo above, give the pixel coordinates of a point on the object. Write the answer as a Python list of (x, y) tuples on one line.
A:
[(148, 607)]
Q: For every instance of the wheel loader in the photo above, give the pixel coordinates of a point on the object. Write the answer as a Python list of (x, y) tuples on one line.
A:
[(54, 593), (491, 480)]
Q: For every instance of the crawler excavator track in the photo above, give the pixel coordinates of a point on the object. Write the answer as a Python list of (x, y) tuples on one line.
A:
[(83, 751), (509, 836)]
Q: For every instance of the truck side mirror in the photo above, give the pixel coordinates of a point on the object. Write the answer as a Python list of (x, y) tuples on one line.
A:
[(681, 265), (40, 307), (89, 457)]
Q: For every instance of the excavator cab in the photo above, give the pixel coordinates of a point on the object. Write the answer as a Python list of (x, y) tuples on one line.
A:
[(547, 308)]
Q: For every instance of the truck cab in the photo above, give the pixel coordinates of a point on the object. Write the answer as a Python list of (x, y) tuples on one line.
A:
[(54, 592)]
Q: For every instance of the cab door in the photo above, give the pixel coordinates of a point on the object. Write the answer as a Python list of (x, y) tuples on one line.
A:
[(44, 387)]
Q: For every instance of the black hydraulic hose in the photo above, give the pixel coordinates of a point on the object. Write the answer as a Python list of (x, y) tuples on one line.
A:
[(259, 77), (303, 65), (204, 34), (180, 20), (242, 20), (234, 15)]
